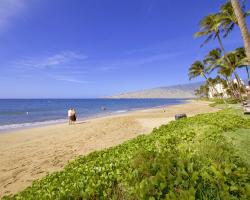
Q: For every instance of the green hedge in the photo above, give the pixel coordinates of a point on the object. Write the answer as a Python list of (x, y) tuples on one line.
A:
[(185, 159)]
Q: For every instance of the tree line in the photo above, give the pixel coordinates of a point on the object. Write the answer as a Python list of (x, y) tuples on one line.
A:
[(216, 26)]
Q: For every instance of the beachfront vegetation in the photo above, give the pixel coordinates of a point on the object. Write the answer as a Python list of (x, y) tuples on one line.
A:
[(224, 64), (192, 158), (218, 101)]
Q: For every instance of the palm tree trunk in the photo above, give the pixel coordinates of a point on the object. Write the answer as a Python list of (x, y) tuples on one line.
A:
[(248, 76), (228, 62), (243, 26), (221, 45), (231, 85), (239, 84), (224, 52), (223, 49), (231, 89)]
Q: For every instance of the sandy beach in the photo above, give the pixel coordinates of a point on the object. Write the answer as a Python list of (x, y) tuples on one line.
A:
[(30, 154)]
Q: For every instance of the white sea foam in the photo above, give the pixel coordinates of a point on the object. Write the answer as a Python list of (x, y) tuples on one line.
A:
[(9, 127), (121, 111), (29, 124)]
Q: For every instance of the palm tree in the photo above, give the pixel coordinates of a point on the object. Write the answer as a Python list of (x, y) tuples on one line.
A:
[(227, 72), (243, 26), (198, 68), (211, 59), (241, 55), (210, 26), (228, 65), (202, 91), (237, 59), (223, 22), (228, 19)]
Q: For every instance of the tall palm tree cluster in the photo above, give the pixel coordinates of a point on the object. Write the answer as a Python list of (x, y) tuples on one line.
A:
[(216, 26)]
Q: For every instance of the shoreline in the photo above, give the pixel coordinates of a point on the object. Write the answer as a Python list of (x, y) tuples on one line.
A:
[(39, 124), (30, 154)]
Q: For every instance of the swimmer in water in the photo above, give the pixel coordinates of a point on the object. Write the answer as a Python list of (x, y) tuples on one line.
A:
[(103, 108)]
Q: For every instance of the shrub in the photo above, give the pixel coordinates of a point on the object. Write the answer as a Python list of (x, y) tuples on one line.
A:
[(185, 159)]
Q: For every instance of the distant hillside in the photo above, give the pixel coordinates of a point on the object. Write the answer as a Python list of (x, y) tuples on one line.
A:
[(176, 91)]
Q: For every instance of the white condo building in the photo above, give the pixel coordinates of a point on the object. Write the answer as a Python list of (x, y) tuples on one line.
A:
[(219, 88)]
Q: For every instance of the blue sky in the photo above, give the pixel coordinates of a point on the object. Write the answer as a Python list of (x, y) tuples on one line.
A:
[(96, 48)]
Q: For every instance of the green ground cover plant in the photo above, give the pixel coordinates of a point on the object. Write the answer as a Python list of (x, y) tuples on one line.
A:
[(190, 158), (216, 101), (241, 141)]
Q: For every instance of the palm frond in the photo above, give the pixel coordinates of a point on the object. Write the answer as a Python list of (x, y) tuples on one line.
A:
[(207, 40), (200, 34), (196, 69), (246, 13), (213, 56), (228, 30), (209, 26)]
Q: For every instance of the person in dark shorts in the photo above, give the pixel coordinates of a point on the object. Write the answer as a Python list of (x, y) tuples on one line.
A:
[(73, 116)]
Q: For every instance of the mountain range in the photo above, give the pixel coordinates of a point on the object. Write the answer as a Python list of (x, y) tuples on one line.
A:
[(175, 91)]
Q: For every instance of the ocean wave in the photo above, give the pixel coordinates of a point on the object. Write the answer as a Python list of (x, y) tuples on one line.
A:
[(29, 124), (120, 111), (13, 113)]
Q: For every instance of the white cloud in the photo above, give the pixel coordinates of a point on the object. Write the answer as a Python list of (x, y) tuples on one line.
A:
[(52, 60), (154, 58), (70, 79), (136, 61), (9, 10)]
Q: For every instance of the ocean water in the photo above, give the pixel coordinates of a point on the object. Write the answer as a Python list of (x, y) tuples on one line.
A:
[(20, 113)]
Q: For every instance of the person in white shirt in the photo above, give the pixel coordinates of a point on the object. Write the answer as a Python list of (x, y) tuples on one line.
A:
[(70, 114)]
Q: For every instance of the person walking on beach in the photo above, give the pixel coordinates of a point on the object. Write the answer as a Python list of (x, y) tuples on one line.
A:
[(73, 116), (70, 116)]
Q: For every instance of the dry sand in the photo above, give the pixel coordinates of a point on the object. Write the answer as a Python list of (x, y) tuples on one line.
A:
[(29, 154)]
